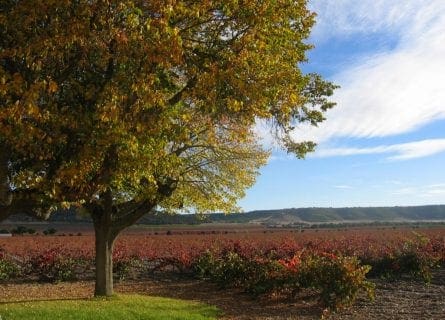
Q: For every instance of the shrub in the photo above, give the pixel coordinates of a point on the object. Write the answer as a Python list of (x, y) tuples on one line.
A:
[(8, 269), (19, 230), (123, 267), (228, 270), (412, 259), (49, 231), (54, 265), (338, 278)]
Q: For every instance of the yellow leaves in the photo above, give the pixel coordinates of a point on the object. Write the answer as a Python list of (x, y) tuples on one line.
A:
[(110, 112), (133, 20), (65, 205), (234, 105), (294, 98), (175, 85), (186, 117), (33, 110)]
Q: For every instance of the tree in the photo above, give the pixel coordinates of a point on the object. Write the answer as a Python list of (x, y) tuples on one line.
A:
[(125, 107)]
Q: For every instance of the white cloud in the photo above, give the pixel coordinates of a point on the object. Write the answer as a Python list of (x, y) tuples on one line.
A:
[(402, 151), (392, 92), (417, 149)]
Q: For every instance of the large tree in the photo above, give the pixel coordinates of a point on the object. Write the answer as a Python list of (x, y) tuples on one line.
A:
[(125, 107)]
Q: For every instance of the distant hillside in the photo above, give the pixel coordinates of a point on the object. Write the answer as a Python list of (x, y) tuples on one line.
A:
[(278, 217), (321, 215)]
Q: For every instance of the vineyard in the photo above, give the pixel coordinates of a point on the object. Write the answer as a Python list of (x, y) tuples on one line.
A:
[(337, 264)]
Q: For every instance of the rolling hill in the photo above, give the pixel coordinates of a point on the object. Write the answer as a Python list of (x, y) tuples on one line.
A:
[(293, 216), (327, 215)]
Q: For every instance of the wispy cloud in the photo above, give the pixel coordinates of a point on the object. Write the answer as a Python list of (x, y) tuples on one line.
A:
[(343, 186), (348, 17), (437, 185), (426, 191), (385, 93), (394, 182), (406, 191), (433, 192), (403, 151)]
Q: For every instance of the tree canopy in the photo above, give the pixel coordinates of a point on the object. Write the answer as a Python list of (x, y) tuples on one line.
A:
[(121, 107)]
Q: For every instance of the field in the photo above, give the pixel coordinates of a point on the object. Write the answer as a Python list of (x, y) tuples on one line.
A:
[(232, 267)]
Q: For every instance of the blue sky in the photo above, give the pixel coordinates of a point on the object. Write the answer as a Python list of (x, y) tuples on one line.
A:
[(384, 143)]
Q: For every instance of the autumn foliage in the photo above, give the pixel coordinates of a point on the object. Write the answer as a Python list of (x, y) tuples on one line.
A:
[(121, 108), (334, 263)]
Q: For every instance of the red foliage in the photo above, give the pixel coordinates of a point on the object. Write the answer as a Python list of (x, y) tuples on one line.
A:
[(179, 251)]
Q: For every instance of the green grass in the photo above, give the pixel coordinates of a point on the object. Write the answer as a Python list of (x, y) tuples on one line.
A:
[(126, 307)]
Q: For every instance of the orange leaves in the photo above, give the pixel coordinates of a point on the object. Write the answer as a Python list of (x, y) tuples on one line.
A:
[(291, 264), (121, 37), (52, 86)]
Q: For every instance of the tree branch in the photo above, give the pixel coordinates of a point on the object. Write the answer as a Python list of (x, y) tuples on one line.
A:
[(178, 95), (129, 213), (30, 207), (186, 147)]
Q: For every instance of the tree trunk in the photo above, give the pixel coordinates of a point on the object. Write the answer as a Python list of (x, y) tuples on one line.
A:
[(104, 260), (5, 192), (107, 226)]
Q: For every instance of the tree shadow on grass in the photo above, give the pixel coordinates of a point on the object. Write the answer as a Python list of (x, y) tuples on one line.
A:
[(234, 303), (40, 300)]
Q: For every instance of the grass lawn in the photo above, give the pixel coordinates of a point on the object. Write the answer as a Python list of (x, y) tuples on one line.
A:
[(127, 307)]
